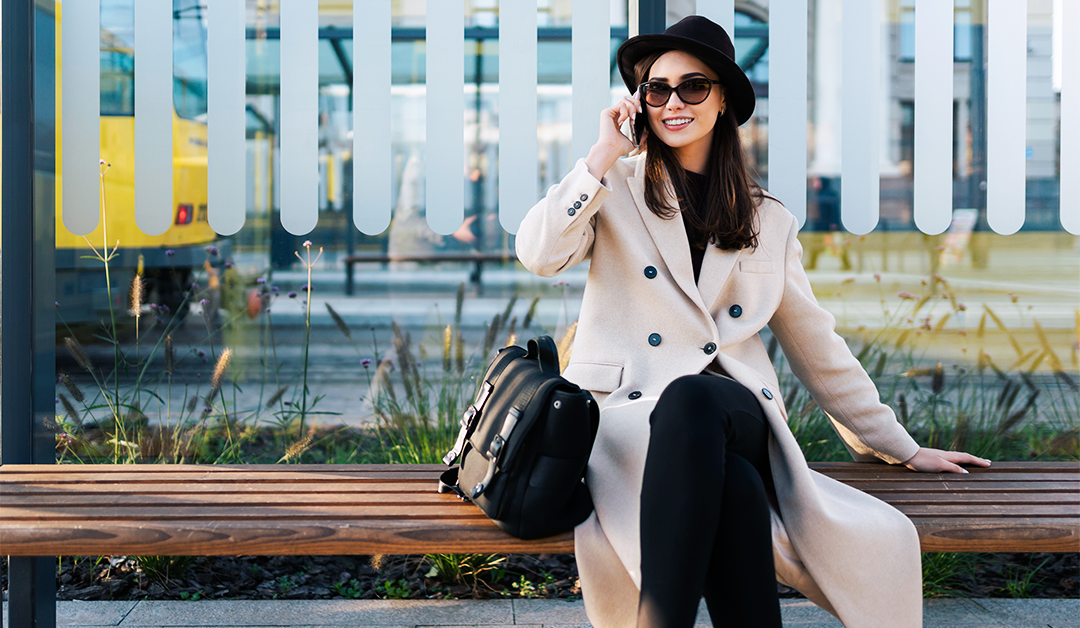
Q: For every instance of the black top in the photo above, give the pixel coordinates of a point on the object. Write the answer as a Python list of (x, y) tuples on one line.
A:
[(696, 185)]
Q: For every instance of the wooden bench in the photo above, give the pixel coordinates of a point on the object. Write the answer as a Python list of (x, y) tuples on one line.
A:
[(204, 510)]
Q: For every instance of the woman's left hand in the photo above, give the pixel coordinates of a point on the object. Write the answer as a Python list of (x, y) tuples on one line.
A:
[(939, 461)]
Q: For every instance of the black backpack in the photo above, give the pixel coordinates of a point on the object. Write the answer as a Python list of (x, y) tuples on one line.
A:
[(524, 444)]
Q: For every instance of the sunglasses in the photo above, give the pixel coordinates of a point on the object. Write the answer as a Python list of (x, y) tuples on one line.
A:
[(691, 92)]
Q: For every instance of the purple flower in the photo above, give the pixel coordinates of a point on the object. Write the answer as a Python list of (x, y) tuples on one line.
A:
[(260, 281), (306, 288), (170, 253), (203, 302), (57, 400), (194, 287), (56, 303), (292, 295), (201, 353), (228, 264), (365, 363), (274, 289), (267, 310), (212, 250), (164, 309)]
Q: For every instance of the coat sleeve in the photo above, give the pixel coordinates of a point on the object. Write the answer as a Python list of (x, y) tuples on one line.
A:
[(822, 361), (558, 232)]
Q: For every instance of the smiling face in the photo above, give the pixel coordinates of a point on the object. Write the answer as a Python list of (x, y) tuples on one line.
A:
[(685, 128)]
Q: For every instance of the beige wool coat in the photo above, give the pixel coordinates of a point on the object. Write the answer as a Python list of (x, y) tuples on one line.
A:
[(850, 553)]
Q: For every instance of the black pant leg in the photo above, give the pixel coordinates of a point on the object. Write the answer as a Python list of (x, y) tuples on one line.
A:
[(698, 421), (740, 587)]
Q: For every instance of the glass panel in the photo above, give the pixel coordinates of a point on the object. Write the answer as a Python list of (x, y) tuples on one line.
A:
[(395, 295)]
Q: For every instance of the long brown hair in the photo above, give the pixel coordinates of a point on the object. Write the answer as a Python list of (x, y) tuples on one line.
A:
[(726, 213)]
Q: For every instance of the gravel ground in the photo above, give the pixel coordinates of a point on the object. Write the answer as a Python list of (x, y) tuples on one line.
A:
[(401, 577)]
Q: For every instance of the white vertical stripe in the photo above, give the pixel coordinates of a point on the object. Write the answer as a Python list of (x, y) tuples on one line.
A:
[(299, 115), (723, 13), (445, 159), (153, 116), (933, 115), (517, 106), (787, 104), (372, 178), (591, 82), (225, 116), (860, 126), (1070, 117), (1006, 114), (80, 108)]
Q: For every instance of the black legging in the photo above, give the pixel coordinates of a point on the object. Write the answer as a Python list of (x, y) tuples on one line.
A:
[(705, 525)]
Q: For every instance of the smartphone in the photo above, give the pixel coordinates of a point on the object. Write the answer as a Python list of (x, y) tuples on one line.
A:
[(637, 129)]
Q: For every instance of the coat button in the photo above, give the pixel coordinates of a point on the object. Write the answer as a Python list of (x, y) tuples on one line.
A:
[(654, 339), (650, 271), (584, 197), (710, 348), (577, 204), (735, 311), (635, 395), (571, 211), (765, 391)]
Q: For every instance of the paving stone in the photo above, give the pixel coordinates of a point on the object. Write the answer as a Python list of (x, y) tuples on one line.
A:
[(550, 612), (939, 613), (86, 614), (250, 613)]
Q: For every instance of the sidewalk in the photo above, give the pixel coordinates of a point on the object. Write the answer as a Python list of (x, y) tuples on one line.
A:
[(939, 613)]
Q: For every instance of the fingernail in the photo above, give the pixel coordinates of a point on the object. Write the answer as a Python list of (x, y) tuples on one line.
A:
[(962, 470)]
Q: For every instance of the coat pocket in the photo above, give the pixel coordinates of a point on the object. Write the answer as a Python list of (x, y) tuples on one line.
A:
[(602, 377), (756, 266)]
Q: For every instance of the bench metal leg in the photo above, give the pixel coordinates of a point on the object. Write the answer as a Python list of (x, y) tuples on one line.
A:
[(31, 592)]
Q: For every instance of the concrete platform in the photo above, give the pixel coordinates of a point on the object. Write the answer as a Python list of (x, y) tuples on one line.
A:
[(939, 613)]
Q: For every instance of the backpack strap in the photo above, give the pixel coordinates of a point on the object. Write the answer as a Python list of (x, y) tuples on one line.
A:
[(448, 482), (543, 349)]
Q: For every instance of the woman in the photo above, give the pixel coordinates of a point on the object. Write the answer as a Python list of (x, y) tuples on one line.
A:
[(699, 485)]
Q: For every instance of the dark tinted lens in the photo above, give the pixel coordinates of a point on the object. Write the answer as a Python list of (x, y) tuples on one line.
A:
[(694, 91), (656, 94)]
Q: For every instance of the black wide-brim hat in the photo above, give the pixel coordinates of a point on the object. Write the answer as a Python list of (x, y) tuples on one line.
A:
[(707, 41)]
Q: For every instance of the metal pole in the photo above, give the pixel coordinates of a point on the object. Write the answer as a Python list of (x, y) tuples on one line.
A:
[(977, 182), (28, 280), (647, 16)]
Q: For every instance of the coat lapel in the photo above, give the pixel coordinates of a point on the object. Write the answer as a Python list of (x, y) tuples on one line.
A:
[(715, 270), (669, 236)]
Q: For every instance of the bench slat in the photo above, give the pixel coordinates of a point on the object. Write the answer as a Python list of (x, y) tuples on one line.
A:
[(965, 487), (297, 537), (234, 512), (241, 511), (172, 488), (996, 535), (359, 498), (150, 500), (970, 478)]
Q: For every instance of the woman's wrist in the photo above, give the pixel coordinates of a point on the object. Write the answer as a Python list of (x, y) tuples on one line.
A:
[(599, 160)]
